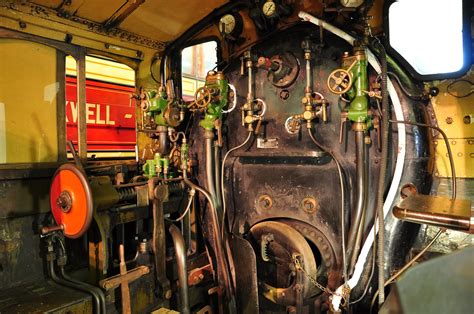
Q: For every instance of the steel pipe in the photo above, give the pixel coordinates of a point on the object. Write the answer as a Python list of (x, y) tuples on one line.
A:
[(181, 261), (358, 217)]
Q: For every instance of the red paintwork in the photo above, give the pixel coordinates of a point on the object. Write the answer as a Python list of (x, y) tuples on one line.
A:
[(112, 128)]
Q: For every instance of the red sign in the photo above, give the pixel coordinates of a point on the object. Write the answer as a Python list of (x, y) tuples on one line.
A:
[(110, 116)]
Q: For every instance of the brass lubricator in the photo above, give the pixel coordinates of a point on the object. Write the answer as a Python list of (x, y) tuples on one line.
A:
[(254, 109), (314, 103)]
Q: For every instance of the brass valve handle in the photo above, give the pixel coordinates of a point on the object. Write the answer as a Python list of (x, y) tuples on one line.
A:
[(339, 81), (202, 97)]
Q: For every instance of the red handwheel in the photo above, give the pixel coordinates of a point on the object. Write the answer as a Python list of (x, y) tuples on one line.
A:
[(70, 198)]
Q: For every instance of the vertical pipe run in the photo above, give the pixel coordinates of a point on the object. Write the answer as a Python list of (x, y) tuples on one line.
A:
[(81, 105), (307, 56), (355, 232), (217, 166), (181, 260), (210, 175), (224, 277), (250, 96)]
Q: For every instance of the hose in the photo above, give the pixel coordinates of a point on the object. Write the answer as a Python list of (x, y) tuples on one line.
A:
[(192, 192), (224, 207), (448, 147)]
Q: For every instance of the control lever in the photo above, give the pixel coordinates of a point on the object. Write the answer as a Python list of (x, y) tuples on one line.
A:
[(218, 126)]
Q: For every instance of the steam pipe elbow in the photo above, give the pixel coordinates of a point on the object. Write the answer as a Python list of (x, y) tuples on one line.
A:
[(181, 260)]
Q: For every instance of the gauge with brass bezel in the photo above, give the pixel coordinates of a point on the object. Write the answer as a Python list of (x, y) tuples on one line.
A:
[(269, 8), (231, 25)]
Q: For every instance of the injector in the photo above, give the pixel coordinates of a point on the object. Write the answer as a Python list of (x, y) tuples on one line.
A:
[(254, 108), (314, 103)]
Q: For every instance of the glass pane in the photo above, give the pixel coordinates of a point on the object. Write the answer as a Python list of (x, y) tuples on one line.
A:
[(187, 61), (428, 34), (28, 91), (196, 62)]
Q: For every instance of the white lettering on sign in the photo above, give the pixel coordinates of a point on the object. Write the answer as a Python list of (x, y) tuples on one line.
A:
[(89, 112), (94, 114)]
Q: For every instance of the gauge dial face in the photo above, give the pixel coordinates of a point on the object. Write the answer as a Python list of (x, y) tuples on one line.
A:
[(227, 24), (269, 8)]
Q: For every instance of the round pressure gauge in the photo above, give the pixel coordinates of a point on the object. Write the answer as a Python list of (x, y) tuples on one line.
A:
[(269, 8), (230, 25)]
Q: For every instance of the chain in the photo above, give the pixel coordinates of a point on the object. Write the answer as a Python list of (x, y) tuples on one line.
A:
[(345, 292)]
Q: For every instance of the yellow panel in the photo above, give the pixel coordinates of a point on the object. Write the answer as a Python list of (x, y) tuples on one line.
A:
[(28, 90), (189, 86), (103, 70), (99, 11), (167, 20), (450, 110), (463, 155)]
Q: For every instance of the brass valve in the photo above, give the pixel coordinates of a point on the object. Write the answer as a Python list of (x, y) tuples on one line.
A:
[(253, 111), (340, 80), (202, 98)]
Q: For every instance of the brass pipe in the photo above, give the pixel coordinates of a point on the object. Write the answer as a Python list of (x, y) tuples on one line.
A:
[(181, 261)]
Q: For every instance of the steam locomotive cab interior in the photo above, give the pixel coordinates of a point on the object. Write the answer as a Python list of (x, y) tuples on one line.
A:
[(267, 156)]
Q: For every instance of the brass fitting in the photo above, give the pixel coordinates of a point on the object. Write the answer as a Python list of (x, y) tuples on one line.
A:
[(359, 126)]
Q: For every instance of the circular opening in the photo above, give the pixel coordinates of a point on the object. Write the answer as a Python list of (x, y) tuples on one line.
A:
[(407, 190)]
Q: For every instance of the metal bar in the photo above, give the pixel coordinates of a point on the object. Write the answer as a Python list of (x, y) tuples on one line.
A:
[(122, 13), (125, 290), (81, 105), (61, 104)]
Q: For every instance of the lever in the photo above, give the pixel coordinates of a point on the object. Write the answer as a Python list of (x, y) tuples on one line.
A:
[(218, 125)]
